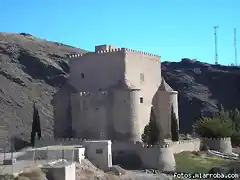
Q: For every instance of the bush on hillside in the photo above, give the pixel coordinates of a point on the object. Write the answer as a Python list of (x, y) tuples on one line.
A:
[(215, 127)]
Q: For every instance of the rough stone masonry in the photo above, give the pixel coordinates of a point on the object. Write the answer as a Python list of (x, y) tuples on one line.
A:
[(111, 94)]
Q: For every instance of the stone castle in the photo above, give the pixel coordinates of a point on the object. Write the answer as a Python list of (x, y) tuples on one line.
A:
[(111, 94)]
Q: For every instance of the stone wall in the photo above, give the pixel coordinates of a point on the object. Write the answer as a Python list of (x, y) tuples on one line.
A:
[(219, 144), (111, 65), (143, 71), (185, 145), (98, 152), (58, 141), (87, 109), (179, 146), (62, 117), (103, 69), (151, 156), (126, 115), (96, 70)]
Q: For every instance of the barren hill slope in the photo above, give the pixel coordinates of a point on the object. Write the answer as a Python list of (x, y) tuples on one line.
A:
[(202, 88), (33, 69), (30, 69)]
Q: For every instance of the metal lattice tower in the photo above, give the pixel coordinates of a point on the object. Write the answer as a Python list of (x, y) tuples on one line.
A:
[(216, 47), (235, 46)]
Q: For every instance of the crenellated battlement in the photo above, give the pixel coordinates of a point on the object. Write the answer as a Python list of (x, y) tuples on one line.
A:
[(112, 50), (74, 55), (140, 52), (91, 94), (219, 144), (217, 139), (190, 141)]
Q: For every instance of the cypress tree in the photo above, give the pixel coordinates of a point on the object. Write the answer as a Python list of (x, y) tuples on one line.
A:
[(174, 126), (151, 131), (36, 126), (236, 119)]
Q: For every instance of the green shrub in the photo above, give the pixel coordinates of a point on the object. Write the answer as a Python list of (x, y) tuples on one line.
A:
[(235, 139), (215, 127), (6, 177), (235, 116), (204, 147)]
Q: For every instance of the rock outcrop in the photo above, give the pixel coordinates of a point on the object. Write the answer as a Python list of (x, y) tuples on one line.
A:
[(31, 69), (202, 88)]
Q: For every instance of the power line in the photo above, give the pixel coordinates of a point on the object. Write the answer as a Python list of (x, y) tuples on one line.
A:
[(216, 47), (235, 46)]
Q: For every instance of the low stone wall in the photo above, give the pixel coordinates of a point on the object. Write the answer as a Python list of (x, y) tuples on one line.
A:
[(75, 154), (223, 145), (127, 155), (185, 145), (136, 152), (154, 157), (59, 141)]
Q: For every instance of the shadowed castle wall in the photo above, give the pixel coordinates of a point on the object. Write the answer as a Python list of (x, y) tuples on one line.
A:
[(149, 67), (62, 118), (90, 115)]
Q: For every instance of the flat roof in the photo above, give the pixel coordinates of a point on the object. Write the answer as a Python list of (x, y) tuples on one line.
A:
[(59, 147), (59, 164)]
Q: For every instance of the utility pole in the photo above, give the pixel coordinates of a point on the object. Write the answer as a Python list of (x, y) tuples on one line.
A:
[(216, 48), (235, 46)]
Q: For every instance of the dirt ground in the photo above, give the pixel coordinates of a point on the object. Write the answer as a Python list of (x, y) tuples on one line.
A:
[(87, 171)]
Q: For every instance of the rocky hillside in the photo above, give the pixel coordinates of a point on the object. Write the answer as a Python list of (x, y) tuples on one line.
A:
[(202, 88), (33, 69)]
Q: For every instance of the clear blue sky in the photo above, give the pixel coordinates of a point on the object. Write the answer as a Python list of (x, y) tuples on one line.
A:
[(171, 28)]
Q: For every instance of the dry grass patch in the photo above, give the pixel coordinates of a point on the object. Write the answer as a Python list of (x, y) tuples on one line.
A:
[(198, 161), (33, 173), (6, 177)]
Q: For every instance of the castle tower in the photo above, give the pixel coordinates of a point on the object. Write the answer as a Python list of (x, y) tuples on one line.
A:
[(126, 113), (133, 85), (167, 99)]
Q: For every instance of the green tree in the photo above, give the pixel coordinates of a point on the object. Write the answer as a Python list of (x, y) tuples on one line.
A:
[(151, 131), (215, 127), (174, 126), (36, 125), (235, 116), (222, 113)]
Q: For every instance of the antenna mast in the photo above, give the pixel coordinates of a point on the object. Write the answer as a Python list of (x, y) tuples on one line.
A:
[(235, 46), (216, 47)]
